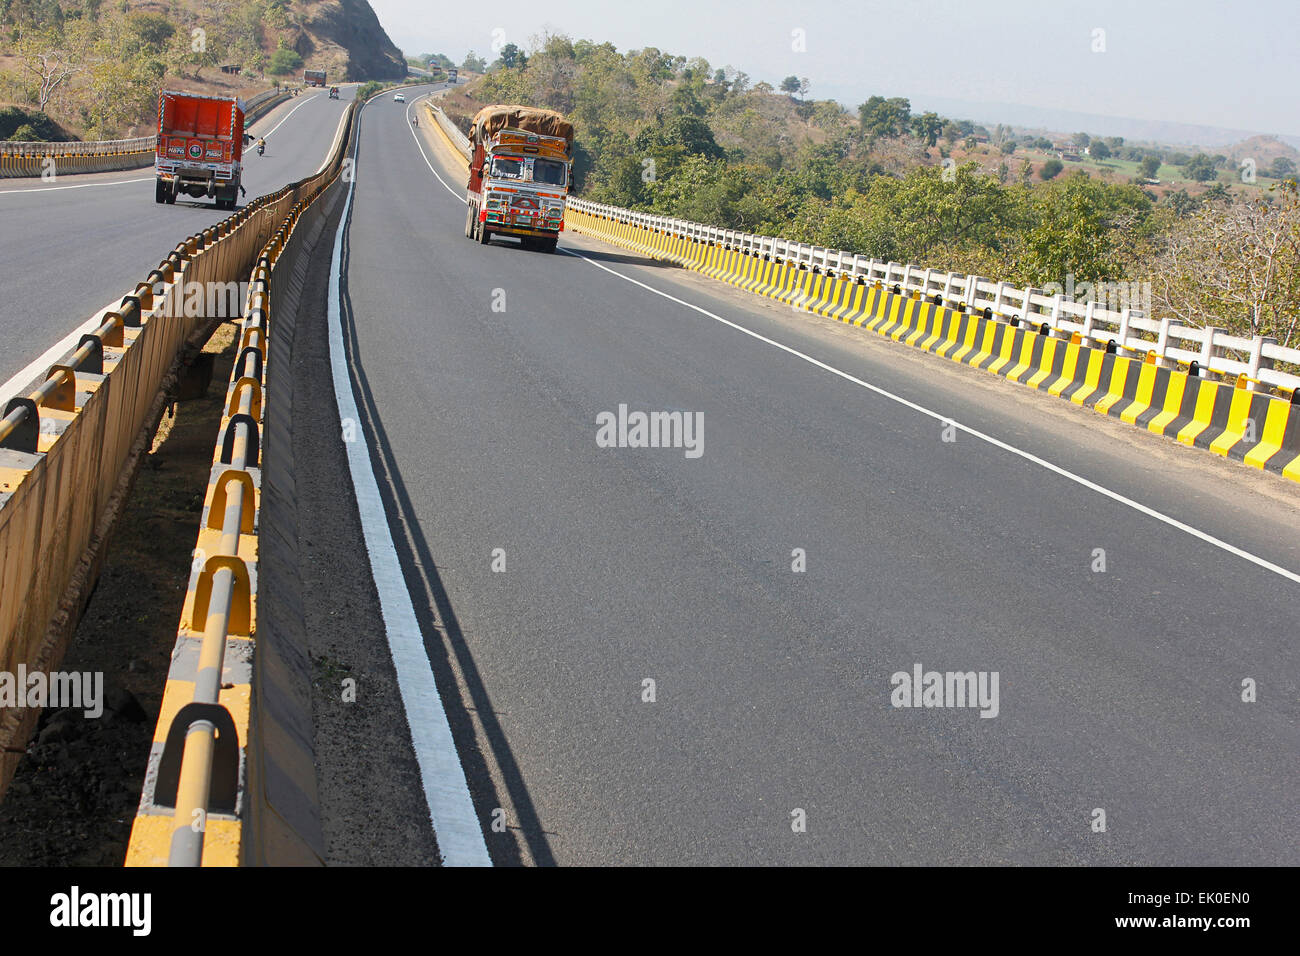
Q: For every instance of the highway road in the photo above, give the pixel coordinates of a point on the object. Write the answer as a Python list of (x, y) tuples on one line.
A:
[(69, 247), (482, 372)]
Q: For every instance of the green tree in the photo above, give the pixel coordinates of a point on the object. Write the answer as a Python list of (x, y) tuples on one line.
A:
[(1051, 169), (1200, 168), (1149, 167), (284, 61), (885, 118), (512, 57), (1282, 168), (790, 85), (927, 127), (1099, 149)]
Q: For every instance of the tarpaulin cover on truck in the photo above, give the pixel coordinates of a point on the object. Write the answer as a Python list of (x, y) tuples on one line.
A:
[(490, 120)]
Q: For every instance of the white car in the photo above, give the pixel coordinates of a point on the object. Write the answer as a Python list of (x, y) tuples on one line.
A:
[(399, 97)]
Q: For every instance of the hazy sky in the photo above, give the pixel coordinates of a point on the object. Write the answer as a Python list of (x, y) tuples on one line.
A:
[(1228, 64)]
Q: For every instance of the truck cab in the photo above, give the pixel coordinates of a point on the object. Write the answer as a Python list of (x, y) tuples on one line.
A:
[(521, 170)]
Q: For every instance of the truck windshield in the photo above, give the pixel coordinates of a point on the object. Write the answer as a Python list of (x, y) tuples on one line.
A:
[(549, 172), (504, 167)]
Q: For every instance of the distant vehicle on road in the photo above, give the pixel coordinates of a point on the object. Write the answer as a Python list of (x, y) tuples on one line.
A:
[(452, 74), (399, 97), (200, 147), (334, 92), (313, 78), (520, 170)]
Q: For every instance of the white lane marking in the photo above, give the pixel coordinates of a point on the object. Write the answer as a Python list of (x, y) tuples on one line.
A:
[(460, 836), (37, 368), (50, 189), (459, 196), (997, 443), (29, 374), (333, 143), (123, 182), (290, 113)]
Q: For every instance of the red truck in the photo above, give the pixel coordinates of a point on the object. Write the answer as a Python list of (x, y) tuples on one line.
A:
[(200, 148)]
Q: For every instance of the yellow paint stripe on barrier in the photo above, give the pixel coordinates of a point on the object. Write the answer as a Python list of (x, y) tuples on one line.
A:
[(151, 839), (1026, 360), (972, 333), (1119, 372), (923, 316), (1146, 387), (1068, 367), (1270, 444), (1045, 362), (1173, 403), (1004, 354), (1091, 376), (1238, 413), (1205, 399)]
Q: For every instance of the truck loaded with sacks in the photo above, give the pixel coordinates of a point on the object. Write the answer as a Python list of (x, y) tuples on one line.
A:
[(520, 173), (200, 148)]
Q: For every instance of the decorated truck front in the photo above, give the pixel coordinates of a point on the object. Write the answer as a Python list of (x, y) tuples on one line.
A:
[(520, 173), (200, 148)]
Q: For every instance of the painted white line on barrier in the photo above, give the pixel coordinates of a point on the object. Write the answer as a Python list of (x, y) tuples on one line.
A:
[(975, 433), (460, 836)]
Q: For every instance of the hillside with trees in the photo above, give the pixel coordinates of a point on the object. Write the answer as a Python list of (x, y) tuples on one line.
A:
[(677, 136), (93, 68)]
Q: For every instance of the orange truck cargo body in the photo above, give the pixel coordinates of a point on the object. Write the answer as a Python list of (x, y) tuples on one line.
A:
[(200, 147)]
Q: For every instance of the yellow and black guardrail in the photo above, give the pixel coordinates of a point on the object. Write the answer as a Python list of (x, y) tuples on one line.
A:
[(1230, 413), (70, 448), (229, 782)]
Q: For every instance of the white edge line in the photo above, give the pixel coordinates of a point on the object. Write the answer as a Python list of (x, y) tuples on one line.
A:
[(55, 352), (29, 374), (143, 179), (52, 189), (946, 419), (459, 195), (458, 831)]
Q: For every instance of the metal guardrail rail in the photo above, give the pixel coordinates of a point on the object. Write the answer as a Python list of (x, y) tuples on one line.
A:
[(1212, 349), (206, 759), (23, 158)]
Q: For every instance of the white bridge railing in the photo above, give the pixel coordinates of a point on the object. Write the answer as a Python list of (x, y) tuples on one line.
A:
[(1212, 349)]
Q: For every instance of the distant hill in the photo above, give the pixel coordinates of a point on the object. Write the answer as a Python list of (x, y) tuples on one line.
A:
[(126, 50), (1211, 138), (345, 38)]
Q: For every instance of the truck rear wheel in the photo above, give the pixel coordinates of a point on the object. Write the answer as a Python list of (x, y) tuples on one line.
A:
[(484, 236), (548, 244), (469, 220)]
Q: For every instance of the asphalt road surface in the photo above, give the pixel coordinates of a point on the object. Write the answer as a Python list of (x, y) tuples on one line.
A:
[(74, 246), (771, 737)]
